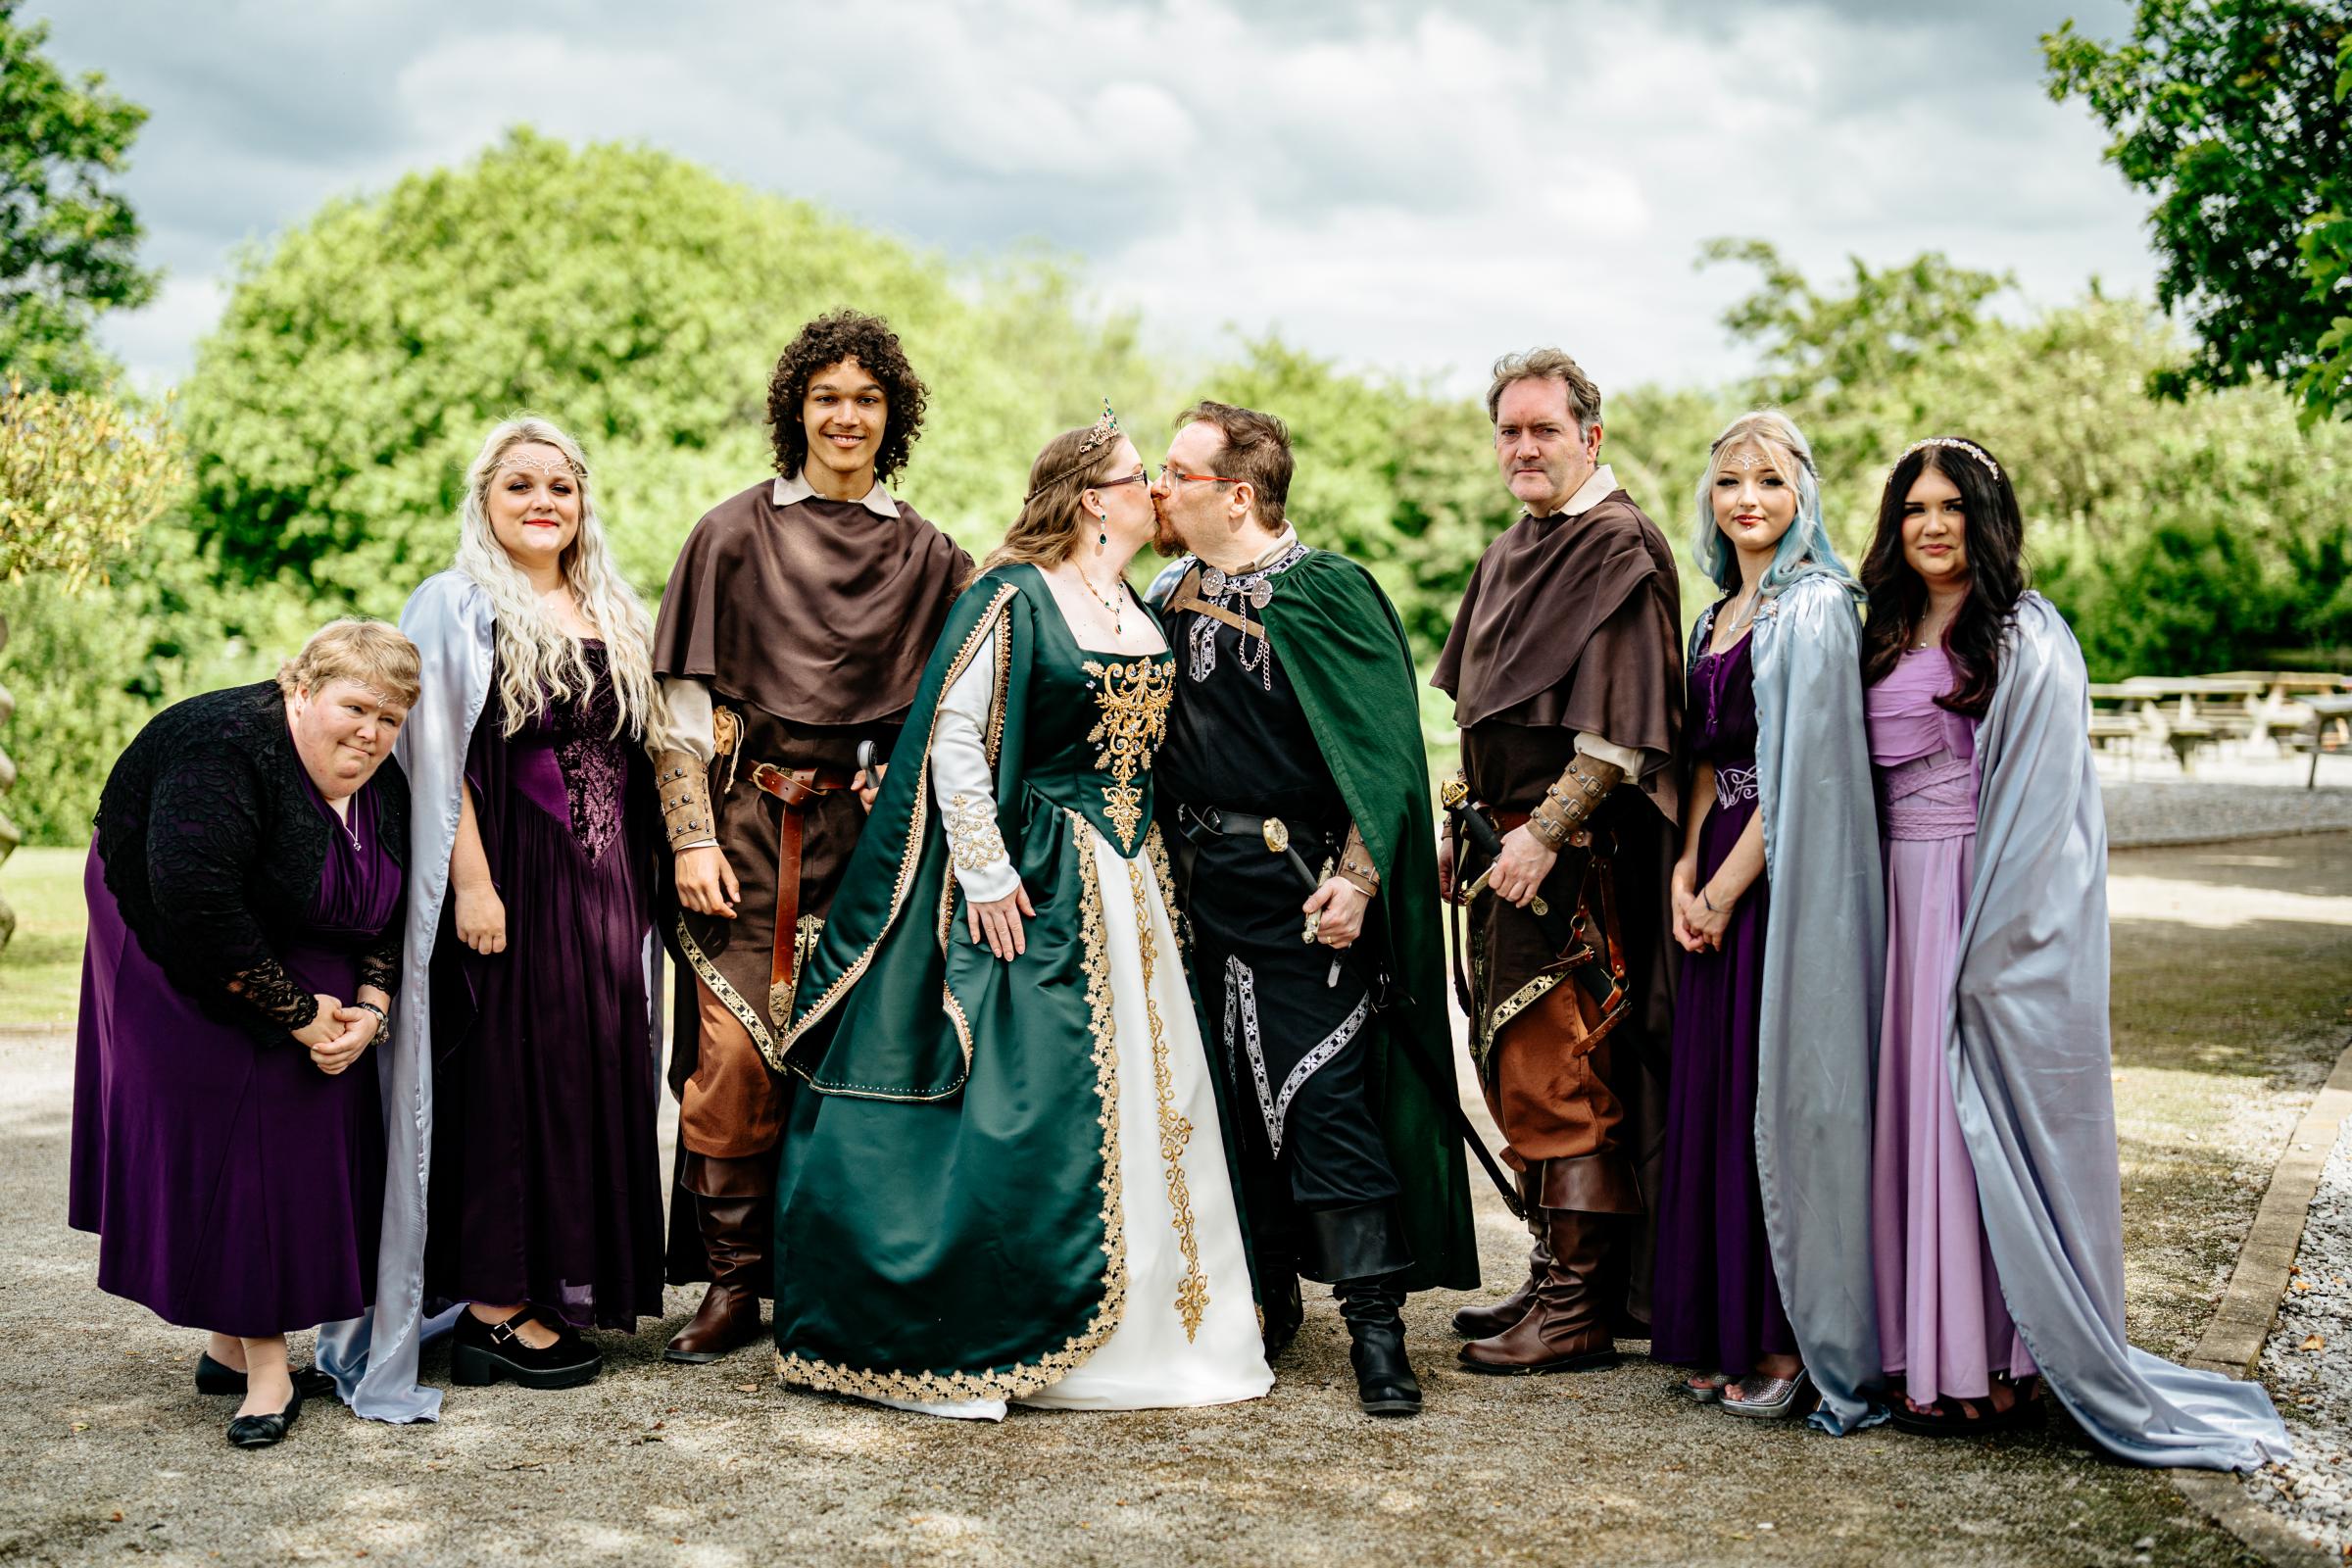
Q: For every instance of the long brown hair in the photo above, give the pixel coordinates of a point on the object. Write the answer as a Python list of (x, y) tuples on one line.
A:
[(1994, 531), (1051, 519)]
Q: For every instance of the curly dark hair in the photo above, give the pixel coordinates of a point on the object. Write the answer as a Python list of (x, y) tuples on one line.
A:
[(823, 343)]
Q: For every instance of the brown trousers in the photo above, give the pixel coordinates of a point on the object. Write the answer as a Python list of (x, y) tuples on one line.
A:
[(1548, 1092), (733, 1105)]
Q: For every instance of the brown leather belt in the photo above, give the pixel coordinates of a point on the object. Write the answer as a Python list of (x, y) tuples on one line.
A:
[(798, 789)]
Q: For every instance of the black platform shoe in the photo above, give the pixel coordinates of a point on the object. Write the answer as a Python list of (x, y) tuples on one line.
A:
[(1385, 1383), (213, 1378), (265, 1431), (481, 1353)]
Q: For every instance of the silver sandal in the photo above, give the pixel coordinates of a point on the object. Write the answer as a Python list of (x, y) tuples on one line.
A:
[(1703, 1390), (1770, 1398)]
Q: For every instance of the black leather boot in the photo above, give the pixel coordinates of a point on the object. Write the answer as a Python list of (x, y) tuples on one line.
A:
[(1372, 1310), (1283, 1310)]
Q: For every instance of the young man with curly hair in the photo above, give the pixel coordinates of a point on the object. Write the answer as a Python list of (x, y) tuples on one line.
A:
[(795, 627)]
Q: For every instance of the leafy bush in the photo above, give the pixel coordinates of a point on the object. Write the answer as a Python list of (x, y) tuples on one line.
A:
[(636, 299)]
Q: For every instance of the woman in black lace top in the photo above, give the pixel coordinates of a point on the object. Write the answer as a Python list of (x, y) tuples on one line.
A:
[(245, 889)]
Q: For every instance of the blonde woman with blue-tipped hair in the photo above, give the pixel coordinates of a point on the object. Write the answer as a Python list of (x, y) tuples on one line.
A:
[(1763, 1272)]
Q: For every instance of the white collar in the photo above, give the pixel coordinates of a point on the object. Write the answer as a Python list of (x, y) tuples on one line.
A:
[(876, 501), (1595, 489)]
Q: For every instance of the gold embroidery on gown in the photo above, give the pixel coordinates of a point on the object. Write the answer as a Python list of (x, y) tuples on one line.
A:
[(1134, 699)]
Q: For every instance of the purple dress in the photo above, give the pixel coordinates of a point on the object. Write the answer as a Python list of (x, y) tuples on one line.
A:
[(233, 1186), (1716, 1303), (1941, 1321), (546, 1179)]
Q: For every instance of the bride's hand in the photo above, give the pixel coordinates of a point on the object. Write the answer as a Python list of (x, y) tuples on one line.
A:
[(999, 923)]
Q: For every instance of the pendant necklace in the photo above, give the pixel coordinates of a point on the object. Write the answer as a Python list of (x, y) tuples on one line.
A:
[(1118, 609), (1746, 614)]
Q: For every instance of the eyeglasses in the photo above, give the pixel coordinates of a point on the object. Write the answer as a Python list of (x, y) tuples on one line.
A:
[(1171, 477), (1139, 476)]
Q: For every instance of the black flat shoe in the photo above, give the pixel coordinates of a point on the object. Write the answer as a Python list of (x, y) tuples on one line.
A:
[(265, 1431), (481, 1353), (214, 1379)]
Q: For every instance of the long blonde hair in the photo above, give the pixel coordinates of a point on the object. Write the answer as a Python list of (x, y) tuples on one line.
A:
[(537, 659), (1051, 519)]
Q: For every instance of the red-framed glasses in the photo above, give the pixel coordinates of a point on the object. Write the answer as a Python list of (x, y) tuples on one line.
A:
[(1171, 477)]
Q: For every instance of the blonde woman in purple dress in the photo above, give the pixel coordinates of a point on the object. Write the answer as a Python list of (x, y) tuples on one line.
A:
[(1996, 1209)]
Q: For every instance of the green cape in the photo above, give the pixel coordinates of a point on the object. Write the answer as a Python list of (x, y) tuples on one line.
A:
[(1345, 652)]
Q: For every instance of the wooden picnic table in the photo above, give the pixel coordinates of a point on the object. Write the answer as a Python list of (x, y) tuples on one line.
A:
[(2287, 682), (2322, 709)]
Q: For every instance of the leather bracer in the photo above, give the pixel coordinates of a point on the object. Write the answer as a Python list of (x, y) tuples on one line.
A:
[(1570, 800), (685, 790), (1356, 864)]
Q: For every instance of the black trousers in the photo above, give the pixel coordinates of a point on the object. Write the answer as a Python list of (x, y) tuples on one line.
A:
[(1297, 1054)]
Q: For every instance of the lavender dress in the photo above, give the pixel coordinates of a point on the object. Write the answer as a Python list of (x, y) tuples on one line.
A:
[(1716, 1301), (546, 1178), (1942, 1323), (233, 1186)]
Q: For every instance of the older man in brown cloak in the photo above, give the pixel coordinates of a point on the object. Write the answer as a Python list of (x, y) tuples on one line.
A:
[(1565, 669), (795, 627)]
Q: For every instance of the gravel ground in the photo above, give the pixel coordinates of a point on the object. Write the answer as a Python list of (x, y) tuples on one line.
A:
[(2178, 810), (2308, 1367), (115, 1458)]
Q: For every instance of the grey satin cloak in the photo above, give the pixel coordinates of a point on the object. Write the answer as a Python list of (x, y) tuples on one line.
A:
[(373, 1357), (2028, 1047), (1825, 948)]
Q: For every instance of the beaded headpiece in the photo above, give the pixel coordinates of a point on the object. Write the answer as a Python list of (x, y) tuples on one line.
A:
[(1101, 434), (1957, 445), (553, 467)]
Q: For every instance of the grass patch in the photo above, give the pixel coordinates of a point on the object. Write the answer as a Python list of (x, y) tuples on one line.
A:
[(40, 969)]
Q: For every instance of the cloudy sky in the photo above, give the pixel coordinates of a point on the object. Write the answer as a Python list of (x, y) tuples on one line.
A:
[(1407, 187)]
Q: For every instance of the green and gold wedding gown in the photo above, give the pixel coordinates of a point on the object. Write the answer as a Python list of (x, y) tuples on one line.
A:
[(1011, 1181)]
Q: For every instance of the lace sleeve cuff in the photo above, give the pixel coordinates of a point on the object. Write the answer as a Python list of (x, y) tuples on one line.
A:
[(270, 991), (965, 787)]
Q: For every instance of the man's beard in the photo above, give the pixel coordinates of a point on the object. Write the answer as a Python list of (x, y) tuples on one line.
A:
[(1165, 539)]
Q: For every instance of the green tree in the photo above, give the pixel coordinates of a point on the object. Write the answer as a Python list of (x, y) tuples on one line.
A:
[(636, 299), (69, 242), (2326, 387), (80, 480), (2232, 115), (82, 476), (1851, 357), (2177, 538)]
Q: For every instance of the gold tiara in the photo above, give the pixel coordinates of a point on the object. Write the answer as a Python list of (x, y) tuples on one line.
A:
[(1100, 433), (1956, 443)]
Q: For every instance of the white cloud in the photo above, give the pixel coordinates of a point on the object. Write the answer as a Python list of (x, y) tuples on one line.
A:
[(1404, 185)]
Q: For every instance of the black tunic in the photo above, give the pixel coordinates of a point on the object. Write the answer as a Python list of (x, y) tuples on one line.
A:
[(1288, 1037)]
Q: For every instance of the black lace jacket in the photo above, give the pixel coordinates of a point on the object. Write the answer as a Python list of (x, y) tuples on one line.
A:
[(213, 851)]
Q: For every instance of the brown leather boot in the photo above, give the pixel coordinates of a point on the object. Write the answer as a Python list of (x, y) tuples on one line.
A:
[(1567, 1328), (734, 1228), (1481, 1322)]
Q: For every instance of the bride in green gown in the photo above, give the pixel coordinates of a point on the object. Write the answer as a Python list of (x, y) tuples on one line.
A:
[(1012, 1182)]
